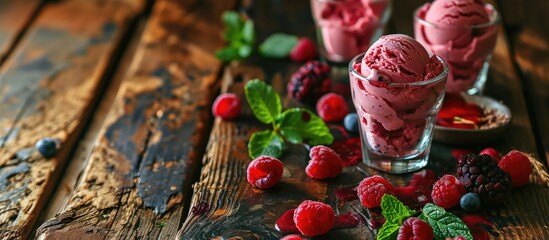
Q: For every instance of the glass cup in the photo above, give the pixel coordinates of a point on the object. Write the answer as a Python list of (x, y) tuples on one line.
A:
[(346, 28), (396, 119), (467, 49)]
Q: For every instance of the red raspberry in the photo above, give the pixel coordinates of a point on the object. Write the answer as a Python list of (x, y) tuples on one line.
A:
[(492, 153), (414, 228), (371, 189), (447, 191), (518, 165), (227, 106), (292, 237), (324, 163), (332, 107), (314, 218), (304, 50), (264, 172)]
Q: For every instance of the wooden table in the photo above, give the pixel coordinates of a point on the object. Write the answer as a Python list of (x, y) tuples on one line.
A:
[(127, 87)]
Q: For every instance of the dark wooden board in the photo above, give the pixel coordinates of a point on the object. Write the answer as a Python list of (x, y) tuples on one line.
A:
[(137, 180), (226, 206), (15, 16), (49, 87)]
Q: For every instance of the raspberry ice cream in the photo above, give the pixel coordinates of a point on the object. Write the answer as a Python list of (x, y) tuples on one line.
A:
[(397, 89), (462, 32), (346, 27)]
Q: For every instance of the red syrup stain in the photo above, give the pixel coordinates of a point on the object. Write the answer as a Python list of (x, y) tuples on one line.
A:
[(201, 208), (346, 194), (349, 150), (286, 223), (375, 220), (477, 225)]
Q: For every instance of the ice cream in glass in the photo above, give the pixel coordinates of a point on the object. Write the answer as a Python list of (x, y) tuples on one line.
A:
[(397, 90), (463, 33)]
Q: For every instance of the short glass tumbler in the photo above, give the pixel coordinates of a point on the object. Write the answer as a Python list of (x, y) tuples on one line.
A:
[(346, 28), (396, 119), (466, 48)]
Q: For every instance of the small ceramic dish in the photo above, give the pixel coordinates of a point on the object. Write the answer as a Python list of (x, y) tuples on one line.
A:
[(472, 136)]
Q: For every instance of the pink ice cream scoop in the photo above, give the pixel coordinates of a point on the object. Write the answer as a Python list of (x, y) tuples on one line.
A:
[(346, 27), (462, 32), (397, 88)]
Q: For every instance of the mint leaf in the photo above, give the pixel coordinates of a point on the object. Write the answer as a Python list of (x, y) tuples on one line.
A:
[(263, 100), (240, 36), (266, 143), (388, 231), (248, 32), (233, 24), (298, 124), (278, 45), (227, 54), (394, 210), (245, 51), (444, 223)]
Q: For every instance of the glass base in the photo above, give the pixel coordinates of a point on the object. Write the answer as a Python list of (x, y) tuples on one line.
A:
[(396, 165)]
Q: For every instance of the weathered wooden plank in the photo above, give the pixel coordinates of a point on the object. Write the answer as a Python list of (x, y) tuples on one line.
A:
[(226, 206), (528, 34), (48, 89), (15, 16), (140, 171)]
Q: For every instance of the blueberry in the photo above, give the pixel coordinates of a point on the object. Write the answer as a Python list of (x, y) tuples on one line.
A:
[(470, 202), (47, 147), (351, 122)]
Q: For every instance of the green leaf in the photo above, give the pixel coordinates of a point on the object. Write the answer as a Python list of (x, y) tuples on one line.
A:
[(444, 223), (233, 25), (248, 32), (227, 54), (388, 231), (394, 210), (263, 100), (298, 124), (266, 143), (278, 45), (245, 51)]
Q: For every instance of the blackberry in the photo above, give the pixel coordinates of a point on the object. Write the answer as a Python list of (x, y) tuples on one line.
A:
[(310, 82), (480, 174)]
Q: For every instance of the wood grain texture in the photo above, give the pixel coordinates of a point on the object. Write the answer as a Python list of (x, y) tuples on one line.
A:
[(528, 34), (15, 16), (225, 206), (48, 89), (141, 168)]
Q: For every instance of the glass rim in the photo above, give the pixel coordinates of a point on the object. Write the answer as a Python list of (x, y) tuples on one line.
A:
[(435, 79), (342, 2), (495, 18)]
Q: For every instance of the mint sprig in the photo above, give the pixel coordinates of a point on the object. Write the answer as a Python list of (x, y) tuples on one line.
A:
[(395, 212), (294, 125), (278, 45), (444, 223), (240, 36)]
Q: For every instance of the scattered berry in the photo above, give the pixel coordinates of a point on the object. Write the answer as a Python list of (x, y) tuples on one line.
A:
[(351, 122), (332, 107), (415, 228), (447, 191), (480, 174), (324, 163), (470, 202), (264, 171), (371, 189), (310, 82), (518, 165), (314, 218), (304, 50), (292, 237), (227, 106), (286, 223), (47, 147), (492, 153)]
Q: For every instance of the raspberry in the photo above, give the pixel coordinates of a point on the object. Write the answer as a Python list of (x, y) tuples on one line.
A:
[(470, 202), (518, 165), (310, 82), (292, 237), (447, 191), (371, 189), (492, 153), (324, 163), (332, 107), (227, 106), (286, 222), (314, 218), (413, 228), (264, 172), (304, 50), (349, 150), (480, 174)]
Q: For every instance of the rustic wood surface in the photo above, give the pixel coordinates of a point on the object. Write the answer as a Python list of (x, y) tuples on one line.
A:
[(227, 206), (15, 16), (139, 174), (48, 89)]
